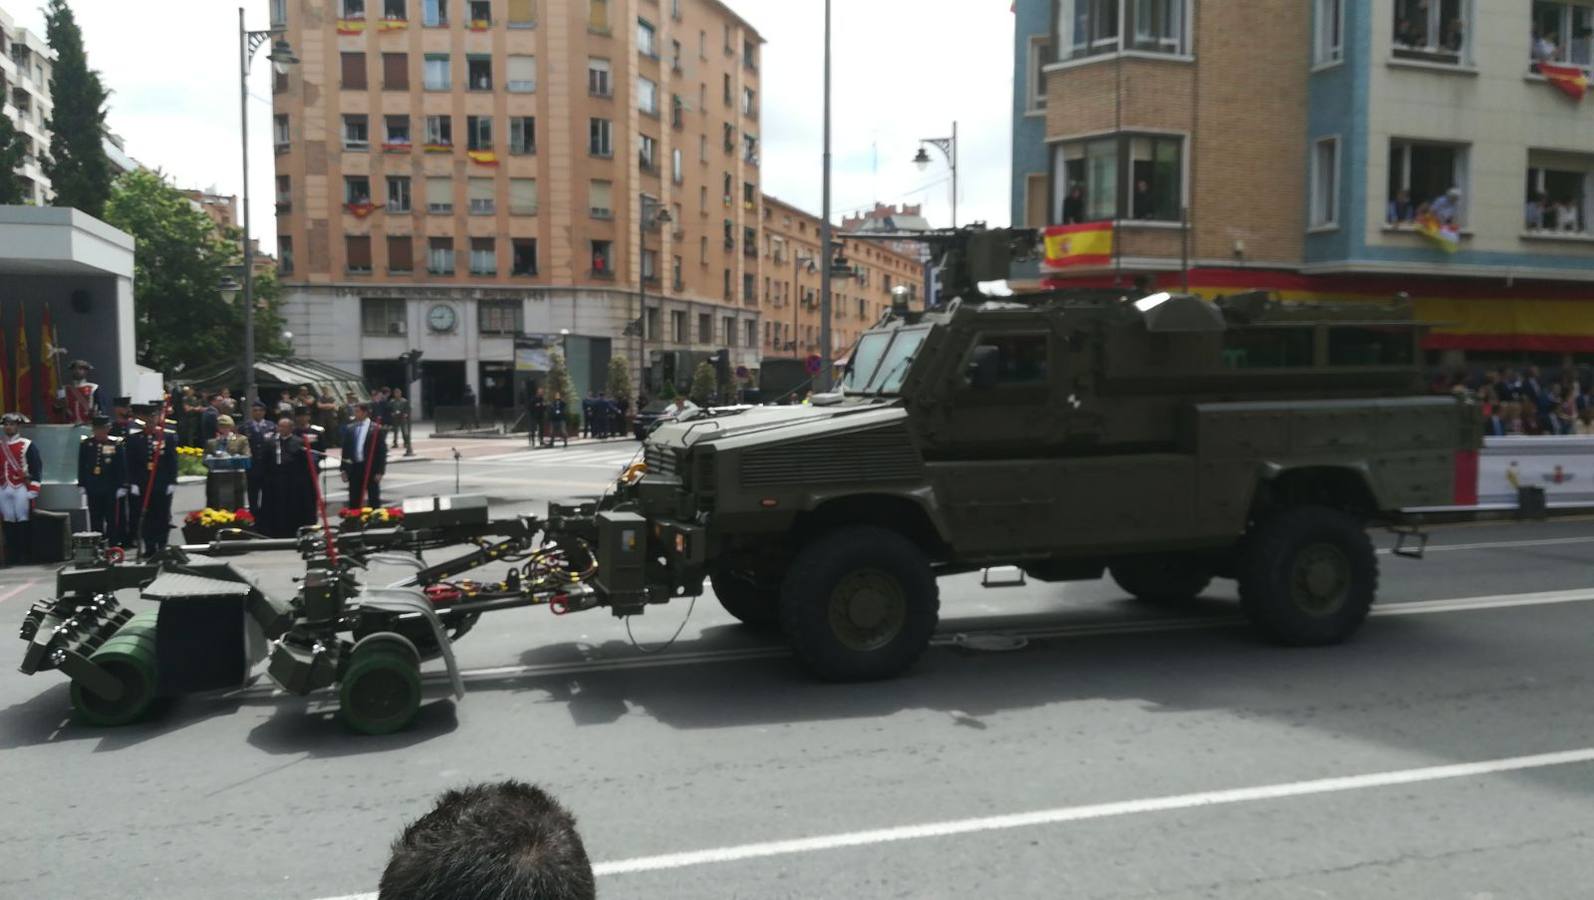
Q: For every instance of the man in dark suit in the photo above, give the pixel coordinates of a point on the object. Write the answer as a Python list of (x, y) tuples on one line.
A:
[(364, 458), (101, 473)]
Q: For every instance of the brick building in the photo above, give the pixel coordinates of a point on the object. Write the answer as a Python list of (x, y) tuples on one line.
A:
[(1288, 131), (461, 176)]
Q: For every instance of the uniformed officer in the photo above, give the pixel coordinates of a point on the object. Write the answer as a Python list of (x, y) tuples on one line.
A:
[(559, 418), (586, 414), (121, 416), (600, 416), (152, 473), (81, 399), (21, 469), (102, 474), (257, 430)]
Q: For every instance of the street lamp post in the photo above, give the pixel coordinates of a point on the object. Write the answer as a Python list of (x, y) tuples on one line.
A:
[(281, 56), (661, 216), (948, 146), (823, 378)]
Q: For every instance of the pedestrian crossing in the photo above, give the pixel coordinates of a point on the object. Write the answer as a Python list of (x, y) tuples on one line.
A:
[(607, 457)]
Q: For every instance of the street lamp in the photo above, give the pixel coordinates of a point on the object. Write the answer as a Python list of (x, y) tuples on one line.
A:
[(281, 56), (229, 289), (948, 146), (660, 216)]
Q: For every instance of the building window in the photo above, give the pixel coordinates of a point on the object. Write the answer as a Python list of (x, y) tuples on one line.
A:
[(1563, 33), (645, 44), (749, 289), (435, 75), (483, 256), (1560, 192), (702, 149), (356, 189), (647, 153), (284, 255), (749, 195), (750, 243), (702, 251), (353, 71), (677, 273), (522, 135), (520, 74), (599, 138), (705, 328), (602, 257), (400, 254), (750, 149), (1039, 54), (600, 199), (1103, 178), (598, 15), (1328, 32), (398, 131), (725, 288), (598, 77), (729, 324), (749, 102), (729, 134), (382, 316), (481, 13), (279, 13), (647, 96), (352, 9), (752, 333), (678, 327), (726, 82), (479, 192), (650, 265), (523, 196), (501, 317), (440, 131), (1089, 27), (440, 195), (279, 130), (524, 260), (395, 71), (479, 72), (677, 174), (675, 55), (356, 133), (440, 256), (395, 10), (284, 193), (1325, 183), (1434, 31), (521, 14), (398, 193), (1425, 179), (677, 111), (478, 132), (434, 13)]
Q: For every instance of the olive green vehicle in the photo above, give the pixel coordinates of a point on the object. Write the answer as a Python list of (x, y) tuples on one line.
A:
[(1166, 440)]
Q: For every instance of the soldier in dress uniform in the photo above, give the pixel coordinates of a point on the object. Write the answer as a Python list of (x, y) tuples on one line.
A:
[(21, 469), (102, 474), (81, 399), (121, 416), (152, 473)]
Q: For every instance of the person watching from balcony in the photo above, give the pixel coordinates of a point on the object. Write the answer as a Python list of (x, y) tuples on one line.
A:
[(1074, 205), (1407, 35), (1544, 48), (1566, 216), (1455, 35), (1401, 210), (1145, 205), (1447, 208), (1533, 214)]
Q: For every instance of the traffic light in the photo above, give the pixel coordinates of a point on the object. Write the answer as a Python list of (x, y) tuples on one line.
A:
[(412, 366), (722, 366)]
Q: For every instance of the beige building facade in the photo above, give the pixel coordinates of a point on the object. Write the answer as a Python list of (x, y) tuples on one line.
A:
[(25, 68), (464, 176)]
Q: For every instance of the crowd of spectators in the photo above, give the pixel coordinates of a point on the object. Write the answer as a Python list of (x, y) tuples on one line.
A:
[(1522, 402), (197, 413)]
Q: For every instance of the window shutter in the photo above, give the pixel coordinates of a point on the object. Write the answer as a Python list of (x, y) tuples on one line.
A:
[(520, 12), (358, 251), (480, 189), (439, 192), (523, 194), (522, 73), (354, 70), (396, 71), (400, 254)]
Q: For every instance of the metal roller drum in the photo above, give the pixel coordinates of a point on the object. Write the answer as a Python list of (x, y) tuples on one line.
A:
[(129, 657)]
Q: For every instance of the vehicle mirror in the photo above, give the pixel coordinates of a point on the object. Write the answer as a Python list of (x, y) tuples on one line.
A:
[(983, 367)]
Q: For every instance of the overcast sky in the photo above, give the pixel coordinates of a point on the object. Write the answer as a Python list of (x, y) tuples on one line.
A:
[(903, 69)]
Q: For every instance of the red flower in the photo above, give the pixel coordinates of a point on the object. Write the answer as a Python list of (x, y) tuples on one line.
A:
[(245, 516)]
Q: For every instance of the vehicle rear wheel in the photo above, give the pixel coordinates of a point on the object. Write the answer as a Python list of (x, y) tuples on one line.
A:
[(754, 606), (381, 689), (1162, 579), (859, 604), (1308, 576)]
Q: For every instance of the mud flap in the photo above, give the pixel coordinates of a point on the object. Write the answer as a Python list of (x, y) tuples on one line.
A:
[(407, 600)]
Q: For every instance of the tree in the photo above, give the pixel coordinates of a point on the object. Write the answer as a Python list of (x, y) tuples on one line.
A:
[(704, 382), (559, 383), (179, 263), (619, 379), (79, 172), (12, 148)]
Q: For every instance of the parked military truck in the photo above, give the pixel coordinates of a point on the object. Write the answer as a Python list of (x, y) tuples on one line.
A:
[(1166, 440)]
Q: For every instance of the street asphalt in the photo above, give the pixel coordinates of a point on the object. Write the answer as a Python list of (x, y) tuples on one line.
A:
[(1121, 751)]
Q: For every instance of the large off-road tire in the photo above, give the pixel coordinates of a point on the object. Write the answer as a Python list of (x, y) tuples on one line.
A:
[(754, 606), (1308, 576), (1162, 579), (859, 603)]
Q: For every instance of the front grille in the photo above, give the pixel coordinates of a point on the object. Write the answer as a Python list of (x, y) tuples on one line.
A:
[(880, 455), (660, 460)]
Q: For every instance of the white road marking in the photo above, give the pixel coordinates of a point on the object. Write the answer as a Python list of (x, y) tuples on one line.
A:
[(1491, 545), (949, 638), (1065, 814), (17, 590)]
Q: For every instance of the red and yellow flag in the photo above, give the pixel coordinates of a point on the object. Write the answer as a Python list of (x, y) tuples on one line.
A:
[(50, 360), (1089, 244), (1570, 79), (483, 157), (24, 386), (351, 26)]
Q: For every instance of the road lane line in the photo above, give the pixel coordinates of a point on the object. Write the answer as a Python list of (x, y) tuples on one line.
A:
[(17, 590), (1066, 814), (1491, 545)]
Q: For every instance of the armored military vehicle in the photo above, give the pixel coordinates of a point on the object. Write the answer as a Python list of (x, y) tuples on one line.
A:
[(1164, 439)]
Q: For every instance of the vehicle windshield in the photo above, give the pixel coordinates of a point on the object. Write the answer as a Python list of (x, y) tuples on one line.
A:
[(864, 360), (895, 362)]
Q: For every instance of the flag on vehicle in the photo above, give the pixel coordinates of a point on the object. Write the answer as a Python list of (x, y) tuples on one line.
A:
[(1089, 244), (1570, 79)]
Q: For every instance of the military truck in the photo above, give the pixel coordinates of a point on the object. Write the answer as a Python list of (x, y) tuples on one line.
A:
[(1165, 440)]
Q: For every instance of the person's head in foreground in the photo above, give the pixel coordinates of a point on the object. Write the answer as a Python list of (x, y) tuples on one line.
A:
[(505, 841)]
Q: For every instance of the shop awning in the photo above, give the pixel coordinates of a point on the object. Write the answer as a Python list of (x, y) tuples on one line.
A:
[(277, 373)]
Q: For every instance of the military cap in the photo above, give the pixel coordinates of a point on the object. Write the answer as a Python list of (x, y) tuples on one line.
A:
[(80, 364), (224, 420), (101, 420), (122, 401), (14, 418)]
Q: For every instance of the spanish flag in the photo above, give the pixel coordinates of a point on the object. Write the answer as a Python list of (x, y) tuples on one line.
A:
[(1089, 244), (1445, 237), (483, 157), (351, 26), (1570, 79), (50, 359), (5, 372), (24, 399)]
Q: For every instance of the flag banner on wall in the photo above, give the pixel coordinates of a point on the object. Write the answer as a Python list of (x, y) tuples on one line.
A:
[(351, 26), (361, 210), (24, 386), (1445, 237), (50, 360), (1089, 244), (483, 157), (1569, 79), (393, 24)]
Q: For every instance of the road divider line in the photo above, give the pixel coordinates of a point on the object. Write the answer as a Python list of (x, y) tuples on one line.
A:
[(17, 590), (1501, 545)]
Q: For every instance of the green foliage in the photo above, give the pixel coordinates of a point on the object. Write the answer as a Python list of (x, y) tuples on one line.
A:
[(667, 392), (179, 262), (704, 383), (559, 383), (619, 378), (11, 152), (79, 172)]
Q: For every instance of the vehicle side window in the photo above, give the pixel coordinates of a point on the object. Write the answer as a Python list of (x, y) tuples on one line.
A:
[(1267, 348), (1369, 346), (1022, 359)]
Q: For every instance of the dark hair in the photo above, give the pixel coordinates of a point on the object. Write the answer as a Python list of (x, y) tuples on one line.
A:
[(505, 841)]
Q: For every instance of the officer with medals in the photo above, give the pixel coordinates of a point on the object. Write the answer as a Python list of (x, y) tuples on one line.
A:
[(152, 473), (81, 399), (121, 416), (102, 474), (21, 469)]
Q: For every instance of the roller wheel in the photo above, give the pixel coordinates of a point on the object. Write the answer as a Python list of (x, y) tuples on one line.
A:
[(381, 689), (128, 657), (757, 608)]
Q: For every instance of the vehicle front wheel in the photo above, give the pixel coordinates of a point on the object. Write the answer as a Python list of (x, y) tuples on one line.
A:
[(859, 604), (753, 605), (1162, 579), (1308, 576)]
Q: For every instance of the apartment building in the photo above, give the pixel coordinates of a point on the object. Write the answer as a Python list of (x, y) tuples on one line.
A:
[(1293, 147), (860, 292), (469, 177), (25, 63)]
